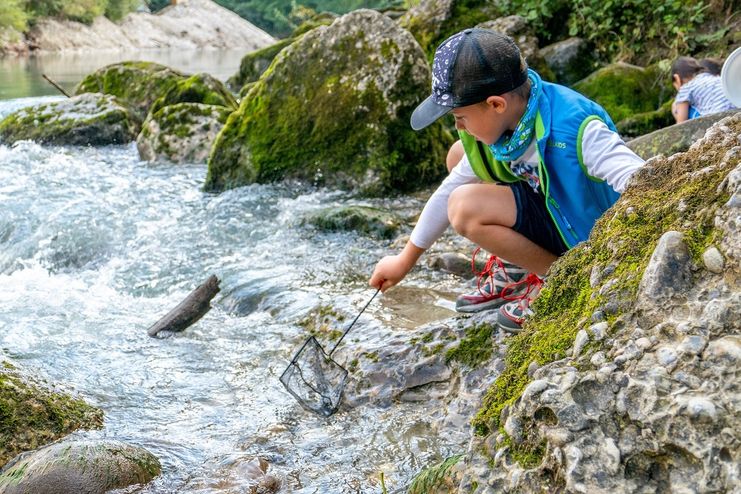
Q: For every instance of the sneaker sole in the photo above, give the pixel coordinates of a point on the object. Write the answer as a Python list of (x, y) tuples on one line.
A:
[(493, 304)]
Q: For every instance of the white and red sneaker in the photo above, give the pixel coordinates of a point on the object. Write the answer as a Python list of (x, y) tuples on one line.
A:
[(512, 314), (499, 282)]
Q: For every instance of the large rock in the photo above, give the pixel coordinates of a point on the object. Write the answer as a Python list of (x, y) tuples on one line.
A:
[(676, 138), (570, 60), (32, 415), (362, 219), (433, 21), (87, 119), (624, 89), (79, 467), (518, 29), (181, 133), (626, 403), (198, 88), (334, 109), (136, 84)]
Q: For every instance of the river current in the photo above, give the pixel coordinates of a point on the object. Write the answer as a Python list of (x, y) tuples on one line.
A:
[(96, 246)]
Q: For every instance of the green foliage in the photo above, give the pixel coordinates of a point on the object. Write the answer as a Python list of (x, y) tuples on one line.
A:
[(76, 10), (433, 477), (12, 15), (117, 9), (281, 17)]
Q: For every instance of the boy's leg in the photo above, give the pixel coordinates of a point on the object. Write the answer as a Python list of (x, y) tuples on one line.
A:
[(486, 215)]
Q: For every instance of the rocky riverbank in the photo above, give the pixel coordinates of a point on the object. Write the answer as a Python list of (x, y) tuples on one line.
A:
[(189, 25)]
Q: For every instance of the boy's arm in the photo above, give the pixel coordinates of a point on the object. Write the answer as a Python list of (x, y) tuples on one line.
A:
[(606, 156), (431, 225)]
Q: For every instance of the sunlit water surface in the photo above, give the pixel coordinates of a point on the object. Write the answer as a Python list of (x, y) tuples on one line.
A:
[(96, 245)]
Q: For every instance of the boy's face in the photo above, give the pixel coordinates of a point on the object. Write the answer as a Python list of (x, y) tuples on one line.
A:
[(488, 120)]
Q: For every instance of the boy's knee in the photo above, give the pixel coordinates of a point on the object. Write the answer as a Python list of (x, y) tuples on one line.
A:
[(461, 211), (455, 154)]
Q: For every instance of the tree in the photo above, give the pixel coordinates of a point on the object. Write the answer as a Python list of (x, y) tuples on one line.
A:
[(12, 15)]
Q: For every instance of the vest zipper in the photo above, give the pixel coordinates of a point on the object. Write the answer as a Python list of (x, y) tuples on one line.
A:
[(566, 221)]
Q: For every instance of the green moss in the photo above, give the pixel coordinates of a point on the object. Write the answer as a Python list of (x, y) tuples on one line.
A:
[(309, 117), (137, 84), (666, 196), (626, 90), (32, 416), (646, 122), (254, 63), (200, 88), (475, 348), (323, 322)]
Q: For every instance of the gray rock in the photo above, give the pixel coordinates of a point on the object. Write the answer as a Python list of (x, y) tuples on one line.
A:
[(713, 260), (88, 119), (570, 59), (675, 138), (79, 467), (666, 277), (581, 340), (181, 133)]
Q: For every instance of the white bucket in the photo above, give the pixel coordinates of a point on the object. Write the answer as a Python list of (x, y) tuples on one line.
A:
[(730, 77)]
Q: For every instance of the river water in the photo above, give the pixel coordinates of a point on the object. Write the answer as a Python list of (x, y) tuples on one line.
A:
[(96, 245)]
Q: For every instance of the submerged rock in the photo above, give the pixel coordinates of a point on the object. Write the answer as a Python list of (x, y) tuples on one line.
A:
[(362, 219), (181, 133), (32, 415), (88, 119), (136, 84), (74, 467), (334, 109)]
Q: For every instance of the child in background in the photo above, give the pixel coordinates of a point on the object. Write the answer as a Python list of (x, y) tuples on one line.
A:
[(712, 65), (698, 91)]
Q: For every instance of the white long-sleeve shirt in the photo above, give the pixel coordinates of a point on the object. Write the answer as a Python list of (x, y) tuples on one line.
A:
[(604, 153)]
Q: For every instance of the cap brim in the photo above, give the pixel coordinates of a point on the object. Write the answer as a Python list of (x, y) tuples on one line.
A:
[(426, 113)]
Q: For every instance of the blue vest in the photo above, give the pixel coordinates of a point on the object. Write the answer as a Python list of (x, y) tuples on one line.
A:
[(574, 199)]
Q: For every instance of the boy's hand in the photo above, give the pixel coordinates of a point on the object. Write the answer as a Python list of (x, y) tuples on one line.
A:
[(392, 269)]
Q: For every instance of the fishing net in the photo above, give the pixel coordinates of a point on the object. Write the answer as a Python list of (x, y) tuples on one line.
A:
[(314, 379)]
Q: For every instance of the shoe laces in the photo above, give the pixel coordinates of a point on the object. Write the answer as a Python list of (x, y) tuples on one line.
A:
[(533, 282), (493, 264)]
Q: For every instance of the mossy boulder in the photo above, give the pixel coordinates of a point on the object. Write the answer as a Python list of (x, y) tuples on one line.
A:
[(625, 90), (181, 133), (647, 122), (32, 415), (255, 63), (88, 119), (362, 219), (516, 27), (136, 84), (334, 109), (676, 138), (433, 21), (198, 88), (72, 467)]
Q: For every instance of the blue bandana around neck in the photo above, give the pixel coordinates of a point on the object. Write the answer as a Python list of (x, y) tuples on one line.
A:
[(511, 147)]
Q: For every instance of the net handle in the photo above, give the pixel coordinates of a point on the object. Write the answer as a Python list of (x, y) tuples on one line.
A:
[(353, 322)]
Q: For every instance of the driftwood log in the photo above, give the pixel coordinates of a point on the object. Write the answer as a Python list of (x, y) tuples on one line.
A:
[(189, 310)]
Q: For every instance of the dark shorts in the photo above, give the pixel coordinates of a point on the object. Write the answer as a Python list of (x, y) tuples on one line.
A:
[(533, 219)]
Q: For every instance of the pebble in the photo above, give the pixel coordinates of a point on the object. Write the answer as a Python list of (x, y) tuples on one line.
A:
[(643, 343), (534, 388), (693, 344), (666, 356), (532, 368), (598, 359), (581, 339), (713, 260), (598, 330)]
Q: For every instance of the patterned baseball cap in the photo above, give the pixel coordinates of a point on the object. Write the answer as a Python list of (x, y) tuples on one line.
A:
[(469, 67)]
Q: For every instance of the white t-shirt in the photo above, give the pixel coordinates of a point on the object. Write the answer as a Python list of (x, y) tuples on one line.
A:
[(604, 153)]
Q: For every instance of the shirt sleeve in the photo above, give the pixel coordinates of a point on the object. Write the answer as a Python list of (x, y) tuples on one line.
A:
[(607, 157), (434, 220), (684, 94)]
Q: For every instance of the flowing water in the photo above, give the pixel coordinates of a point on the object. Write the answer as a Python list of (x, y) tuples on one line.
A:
[(96, 245)]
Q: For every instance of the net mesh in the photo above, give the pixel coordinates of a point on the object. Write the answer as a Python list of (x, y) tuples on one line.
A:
[(314, 379)]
